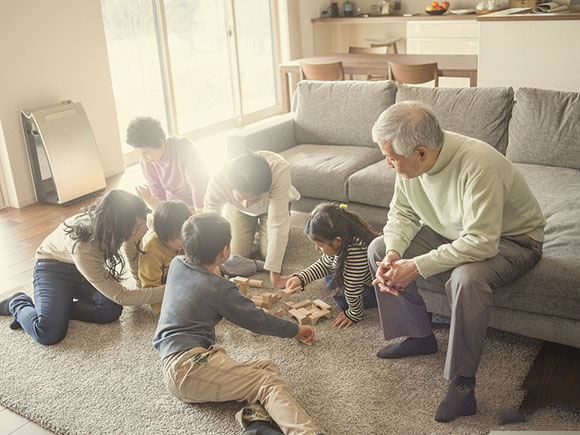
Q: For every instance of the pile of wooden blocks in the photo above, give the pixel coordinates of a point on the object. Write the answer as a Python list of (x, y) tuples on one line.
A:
[(244, 283), (309, 312)]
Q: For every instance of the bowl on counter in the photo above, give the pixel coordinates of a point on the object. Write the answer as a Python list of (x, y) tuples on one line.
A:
[(436, 12)]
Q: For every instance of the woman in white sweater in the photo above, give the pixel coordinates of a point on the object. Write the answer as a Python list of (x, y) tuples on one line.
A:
[(79, 270)]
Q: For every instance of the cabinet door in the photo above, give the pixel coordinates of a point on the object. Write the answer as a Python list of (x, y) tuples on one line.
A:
[(443, 37)]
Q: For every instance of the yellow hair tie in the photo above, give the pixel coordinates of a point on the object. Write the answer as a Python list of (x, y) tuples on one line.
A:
[(343, 206)]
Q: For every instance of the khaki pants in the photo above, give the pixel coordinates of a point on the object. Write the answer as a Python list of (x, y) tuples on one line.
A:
[(244, 229), (203, 375)]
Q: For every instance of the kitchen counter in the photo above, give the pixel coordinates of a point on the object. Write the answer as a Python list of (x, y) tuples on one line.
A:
[(393, 18), (531, 17), (448, 16)]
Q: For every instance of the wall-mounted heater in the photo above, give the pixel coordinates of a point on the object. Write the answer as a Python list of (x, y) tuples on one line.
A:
[(63, 156)]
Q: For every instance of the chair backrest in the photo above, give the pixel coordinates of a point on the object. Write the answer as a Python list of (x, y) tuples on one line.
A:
[(369, 50), (414, 74), (322, 71)]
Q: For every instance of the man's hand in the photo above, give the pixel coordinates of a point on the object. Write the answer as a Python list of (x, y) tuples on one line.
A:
[(294, 283), (305, 334), (144, 192), (383, 269), (342, 321), (401, 274), (277, 280)]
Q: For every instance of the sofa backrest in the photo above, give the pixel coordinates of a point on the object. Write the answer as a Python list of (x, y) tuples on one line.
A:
[(481, 113), (545, 128), (340, 113)]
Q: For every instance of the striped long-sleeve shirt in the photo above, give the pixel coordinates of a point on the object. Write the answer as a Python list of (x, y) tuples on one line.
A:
[(356, 275)]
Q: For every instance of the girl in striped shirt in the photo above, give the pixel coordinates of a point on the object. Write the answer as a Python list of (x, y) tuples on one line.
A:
[(342, 238)]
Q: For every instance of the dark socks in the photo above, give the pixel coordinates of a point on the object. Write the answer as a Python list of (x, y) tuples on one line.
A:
[(460, 400), (410, 347), (260, 427), (14, 324), (5, 304)]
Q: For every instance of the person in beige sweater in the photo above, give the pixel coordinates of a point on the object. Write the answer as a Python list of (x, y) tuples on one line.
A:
[(79, 271), (461, 213), (256, 190)]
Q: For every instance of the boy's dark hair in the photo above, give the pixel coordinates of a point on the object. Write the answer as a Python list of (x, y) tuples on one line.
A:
[(168, 219), (145, 132), (204, 236), (249, 173), (328, 221)]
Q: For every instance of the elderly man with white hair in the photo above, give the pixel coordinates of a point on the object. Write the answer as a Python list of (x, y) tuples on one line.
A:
[(462, 211)]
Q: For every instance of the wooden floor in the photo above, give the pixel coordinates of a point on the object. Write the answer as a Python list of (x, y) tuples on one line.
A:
[(554, 377)]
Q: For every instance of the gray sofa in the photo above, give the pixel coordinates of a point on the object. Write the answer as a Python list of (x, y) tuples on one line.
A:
[(327, 140)]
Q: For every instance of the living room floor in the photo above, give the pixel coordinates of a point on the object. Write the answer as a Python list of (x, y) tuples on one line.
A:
[(554, 376)]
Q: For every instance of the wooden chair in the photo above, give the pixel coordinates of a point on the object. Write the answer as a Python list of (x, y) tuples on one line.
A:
[(321, 71), (391, 44), (379, 49), (414, 74)]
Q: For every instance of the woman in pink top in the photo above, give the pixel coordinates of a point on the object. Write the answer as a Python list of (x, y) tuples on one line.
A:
[(172, 166)]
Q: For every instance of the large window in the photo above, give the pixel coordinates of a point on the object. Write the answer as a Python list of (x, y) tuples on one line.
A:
[(193, 64)]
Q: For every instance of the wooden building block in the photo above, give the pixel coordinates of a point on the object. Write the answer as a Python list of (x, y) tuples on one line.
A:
[(269, 297), (256, 283), (321, 304), (242, 284), (302, 319), (316, 316), (289, 304), (302, 304), (308, 343), (286, 293)]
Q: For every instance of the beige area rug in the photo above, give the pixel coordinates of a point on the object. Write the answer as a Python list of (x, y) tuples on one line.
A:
[(107, 378)]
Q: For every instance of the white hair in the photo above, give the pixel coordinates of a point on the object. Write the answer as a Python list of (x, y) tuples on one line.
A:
[(407, 125)]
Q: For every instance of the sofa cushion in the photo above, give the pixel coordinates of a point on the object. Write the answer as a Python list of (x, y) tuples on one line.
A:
[(551, 287), (373, 185), (322, 171), (545, 128), (340, 113), (481, 113)]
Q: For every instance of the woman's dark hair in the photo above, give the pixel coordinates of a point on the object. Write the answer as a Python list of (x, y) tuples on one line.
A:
[(328, 221), (110, 222), (168, 219), (145, 132), (249, 173), (204, 236)]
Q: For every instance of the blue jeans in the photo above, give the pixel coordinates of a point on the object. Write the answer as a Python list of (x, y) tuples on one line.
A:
[(61, 293), (369, 296)]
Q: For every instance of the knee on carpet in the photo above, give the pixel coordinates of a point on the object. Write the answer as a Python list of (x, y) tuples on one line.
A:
[(110, 313)]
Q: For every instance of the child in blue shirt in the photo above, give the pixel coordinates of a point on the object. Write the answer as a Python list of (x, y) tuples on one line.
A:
[(196, 370)]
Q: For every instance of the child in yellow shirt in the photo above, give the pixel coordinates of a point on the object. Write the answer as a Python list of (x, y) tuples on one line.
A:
[(163, 246)]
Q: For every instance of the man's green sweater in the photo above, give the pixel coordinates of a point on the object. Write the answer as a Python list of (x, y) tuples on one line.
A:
[(472, 195)]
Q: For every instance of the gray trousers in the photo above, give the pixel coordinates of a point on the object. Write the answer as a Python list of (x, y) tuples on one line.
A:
[(469, 289)]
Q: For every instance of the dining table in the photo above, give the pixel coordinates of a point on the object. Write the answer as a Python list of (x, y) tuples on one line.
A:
[(449, 65)]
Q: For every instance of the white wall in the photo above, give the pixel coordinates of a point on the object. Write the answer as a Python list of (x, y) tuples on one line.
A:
[(538, 54), (51, 51)]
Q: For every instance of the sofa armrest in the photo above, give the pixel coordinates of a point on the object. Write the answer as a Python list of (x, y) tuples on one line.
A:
[(275, 134)]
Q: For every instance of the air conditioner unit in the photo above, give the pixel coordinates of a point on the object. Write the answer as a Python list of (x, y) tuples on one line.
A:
[(62, 153)]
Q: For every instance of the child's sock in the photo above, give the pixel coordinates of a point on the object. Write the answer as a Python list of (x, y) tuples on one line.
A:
[(5, 304), (460, 400), (260, 427), (410, 347), (14, 324)]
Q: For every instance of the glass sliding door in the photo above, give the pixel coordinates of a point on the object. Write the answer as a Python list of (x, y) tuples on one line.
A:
[(197, 65), (255, 43), (199, 56), (134, 62)]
